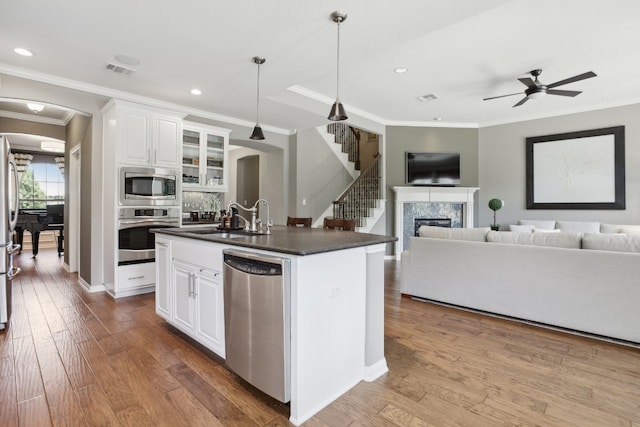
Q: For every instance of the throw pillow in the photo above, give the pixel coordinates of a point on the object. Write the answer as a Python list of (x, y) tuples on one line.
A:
[(547, 225), (578, 226), (544, 230), (630, 231), (522, 228)]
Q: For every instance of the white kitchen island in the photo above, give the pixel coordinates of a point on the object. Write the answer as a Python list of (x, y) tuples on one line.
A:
[(336, 302)]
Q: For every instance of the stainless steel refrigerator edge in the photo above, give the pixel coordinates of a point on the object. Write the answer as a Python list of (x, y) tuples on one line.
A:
[(257, 320), (8, 218)]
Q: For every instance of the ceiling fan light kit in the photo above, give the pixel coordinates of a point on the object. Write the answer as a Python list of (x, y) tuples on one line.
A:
[(536, 89), (337, 112)]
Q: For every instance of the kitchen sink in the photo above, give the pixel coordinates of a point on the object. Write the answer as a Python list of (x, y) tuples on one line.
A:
[(220, 233)]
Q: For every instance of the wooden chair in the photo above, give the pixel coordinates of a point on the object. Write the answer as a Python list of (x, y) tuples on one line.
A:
[(340, 224), (297, 222)]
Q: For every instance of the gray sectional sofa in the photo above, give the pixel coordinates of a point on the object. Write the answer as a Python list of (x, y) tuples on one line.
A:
[(582, 281)]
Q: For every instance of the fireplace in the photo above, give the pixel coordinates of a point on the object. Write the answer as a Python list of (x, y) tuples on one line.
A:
[(415, 202), (431, 222)]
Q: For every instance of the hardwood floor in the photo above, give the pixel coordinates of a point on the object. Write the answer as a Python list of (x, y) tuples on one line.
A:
[(72, 358)]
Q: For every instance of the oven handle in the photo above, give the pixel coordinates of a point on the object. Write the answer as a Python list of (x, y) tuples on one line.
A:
[(132, 223)]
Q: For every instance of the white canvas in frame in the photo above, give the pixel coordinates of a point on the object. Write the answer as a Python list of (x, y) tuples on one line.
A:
[(578, 170)]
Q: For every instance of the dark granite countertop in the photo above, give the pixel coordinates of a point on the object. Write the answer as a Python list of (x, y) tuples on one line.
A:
[(288, 240)]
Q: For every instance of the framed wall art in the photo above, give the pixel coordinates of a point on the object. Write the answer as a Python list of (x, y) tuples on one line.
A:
[(576, 170)]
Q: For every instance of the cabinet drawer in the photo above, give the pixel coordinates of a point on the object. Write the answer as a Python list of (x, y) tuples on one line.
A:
[(136, 275), (203, 254)]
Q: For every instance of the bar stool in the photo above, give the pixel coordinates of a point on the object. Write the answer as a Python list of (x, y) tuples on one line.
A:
[(299, 222), (340, 224)]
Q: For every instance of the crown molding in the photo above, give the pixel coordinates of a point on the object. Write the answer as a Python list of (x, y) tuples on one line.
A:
[(376, 119), (566, 112), (127, 96), (32, 118)]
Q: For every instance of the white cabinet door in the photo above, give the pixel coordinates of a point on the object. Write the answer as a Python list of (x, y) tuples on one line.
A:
[(183, 302), (134, 135), (210, 310), (196, 299), (166, 139), (204, 158), (147, 136), (163, 277)]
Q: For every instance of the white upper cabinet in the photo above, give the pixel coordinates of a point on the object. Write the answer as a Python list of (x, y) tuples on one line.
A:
[(147, 136), (204, 158)]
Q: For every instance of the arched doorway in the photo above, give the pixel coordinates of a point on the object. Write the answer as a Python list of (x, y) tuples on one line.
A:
[(248, 180)]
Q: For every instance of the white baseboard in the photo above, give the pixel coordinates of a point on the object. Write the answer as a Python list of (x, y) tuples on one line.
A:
[(89, 288), (373, 372)]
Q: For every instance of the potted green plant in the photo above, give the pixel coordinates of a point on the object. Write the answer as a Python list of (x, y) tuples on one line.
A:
[(495, 205)]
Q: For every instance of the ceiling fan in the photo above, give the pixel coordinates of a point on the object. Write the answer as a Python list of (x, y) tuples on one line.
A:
[(536, 89)]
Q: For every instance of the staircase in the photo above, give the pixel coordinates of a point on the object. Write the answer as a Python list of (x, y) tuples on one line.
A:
[(348, 137), (361, 200)]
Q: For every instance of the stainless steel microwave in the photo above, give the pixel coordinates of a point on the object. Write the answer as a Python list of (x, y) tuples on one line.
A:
[(141, 186)]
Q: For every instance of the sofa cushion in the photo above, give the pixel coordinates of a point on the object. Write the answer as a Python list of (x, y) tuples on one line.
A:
[(473, 234), (556, 240), (611, 242), (578, 226), (522, 228), (513, 237), (544, 230), (617, 228), (537, 223)]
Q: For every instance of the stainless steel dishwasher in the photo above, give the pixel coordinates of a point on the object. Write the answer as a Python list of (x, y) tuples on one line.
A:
[(256, 320)]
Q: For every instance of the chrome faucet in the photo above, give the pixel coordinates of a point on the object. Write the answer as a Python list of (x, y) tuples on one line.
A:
[(255, 225), (269, 223)]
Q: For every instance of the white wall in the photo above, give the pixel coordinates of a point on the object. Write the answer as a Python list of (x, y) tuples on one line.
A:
[(320, 177), (272, 180), (502, 166)]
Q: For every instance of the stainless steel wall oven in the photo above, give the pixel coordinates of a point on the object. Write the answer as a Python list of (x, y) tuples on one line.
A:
[(136, 244), (148, 186)]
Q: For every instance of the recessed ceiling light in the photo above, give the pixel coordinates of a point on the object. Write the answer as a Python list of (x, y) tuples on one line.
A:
[(22, 51), (195, 91), (401, 70), (437, 119), (127, 60), (36, 108)]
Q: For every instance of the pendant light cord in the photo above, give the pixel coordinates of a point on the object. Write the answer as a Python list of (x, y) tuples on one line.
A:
[(338, 65), (258, 96)]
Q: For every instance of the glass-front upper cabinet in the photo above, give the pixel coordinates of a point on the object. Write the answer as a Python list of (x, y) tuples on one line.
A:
[(204, 157)]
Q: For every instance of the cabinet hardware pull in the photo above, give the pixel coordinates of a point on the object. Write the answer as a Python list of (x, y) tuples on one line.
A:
[(135, 278)]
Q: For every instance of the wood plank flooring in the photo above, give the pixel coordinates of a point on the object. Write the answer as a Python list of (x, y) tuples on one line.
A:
[(72, 358)]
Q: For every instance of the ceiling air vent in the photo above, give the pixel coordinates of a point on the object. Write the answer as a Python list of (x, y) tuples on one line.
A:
[(429, 97), (119, 69)]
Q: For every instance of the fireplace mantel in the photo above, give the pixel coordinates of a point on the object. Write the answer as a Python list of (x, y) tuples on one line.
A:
[(416, 194)]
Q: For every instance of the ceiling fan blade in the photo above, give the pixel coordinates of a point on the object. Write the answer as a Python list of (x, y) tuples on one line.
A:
[(579, 77), (522, 101), (528, 82), (502, 96), (564, 92)]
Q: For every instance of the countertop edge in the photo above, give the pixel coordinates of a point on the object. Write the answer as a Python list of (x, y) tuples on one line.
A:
[(295, 244)]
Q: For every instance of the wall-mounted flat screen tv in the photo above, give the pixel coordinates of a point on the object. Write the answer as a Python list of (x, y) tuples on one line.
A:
[(432, 168)]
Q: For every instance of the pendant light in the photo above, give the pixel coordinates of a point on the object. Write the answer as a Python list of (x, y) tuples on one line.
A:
[(337, 112), (257, 130)]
